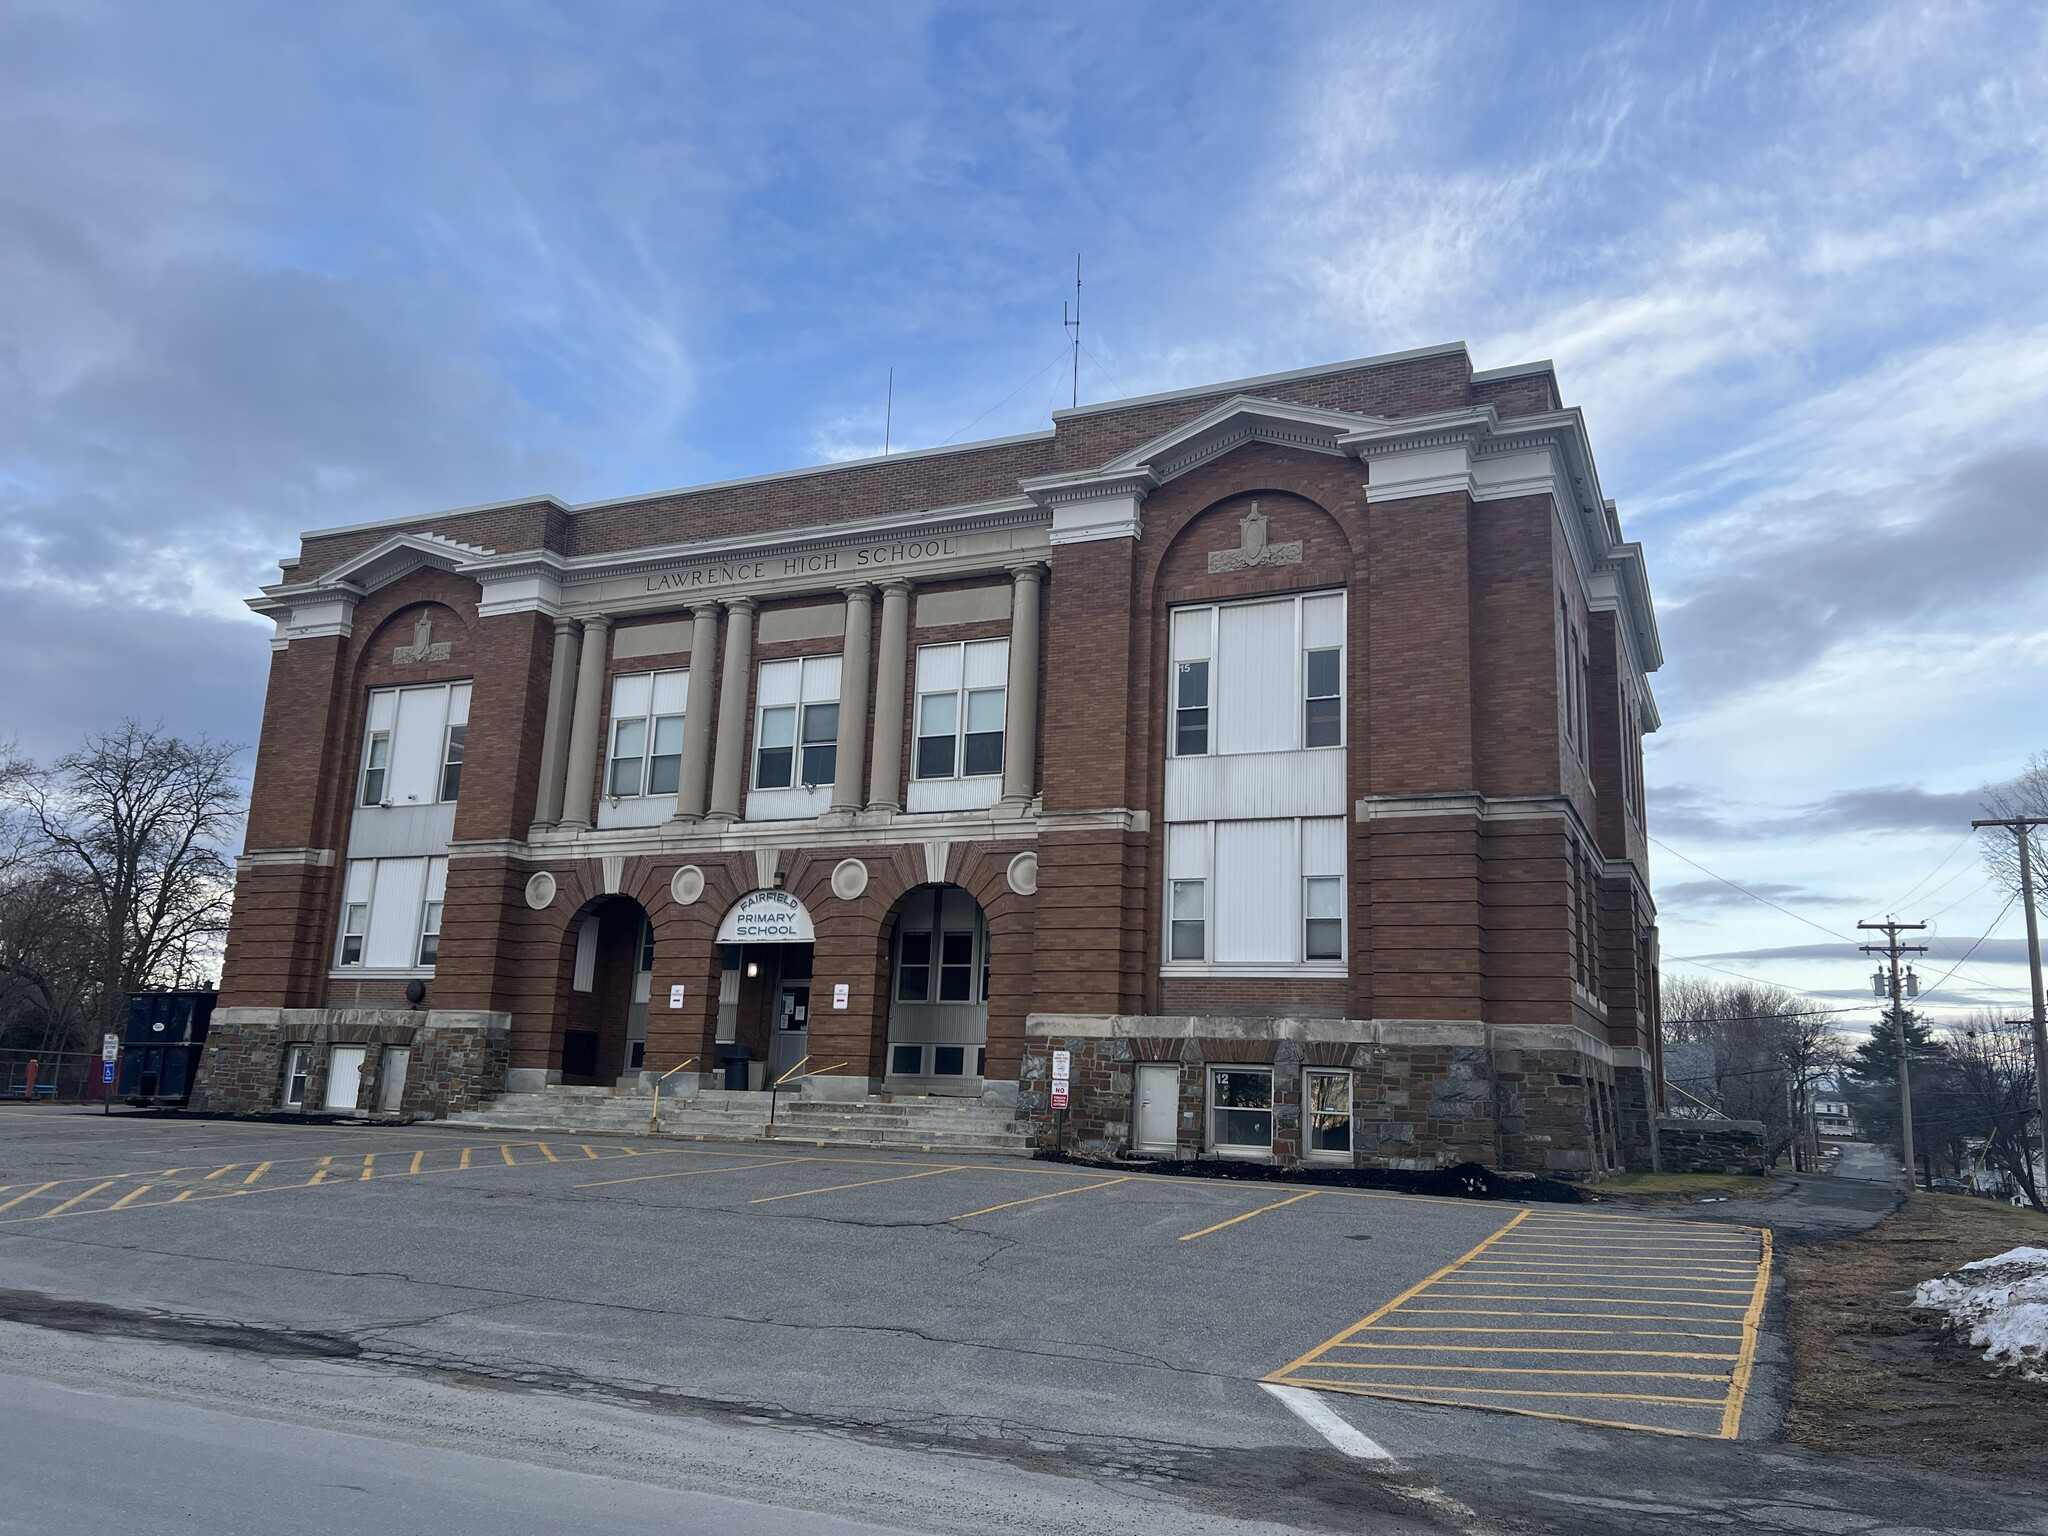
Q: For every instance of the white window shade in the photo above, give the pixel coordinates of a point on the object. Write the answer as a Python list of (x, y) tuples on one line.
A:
[(1191, 633), (821, 679), (1257, 892), (437, 880), (938, 669), (416, 747), (671, 692), (778, 683), (395, 914), (1255, 678), (458, 704), (1187, 852), (630, 694), (1322, 846), (1322, 622), (988, 664), (585, 978)]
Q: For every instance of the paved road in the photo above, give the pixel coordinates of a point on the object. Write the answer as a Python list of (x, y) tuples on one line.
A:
[(927, 1344)]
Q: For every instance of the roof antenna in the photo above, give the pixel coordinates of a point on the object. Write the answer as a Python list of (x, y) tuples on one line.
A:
[(1074, 325), (889, 413)]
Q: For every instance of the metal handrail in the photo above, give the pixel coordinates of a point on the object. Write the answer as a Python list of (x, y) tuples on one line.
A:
[(1712, 1109), (654, 1117)]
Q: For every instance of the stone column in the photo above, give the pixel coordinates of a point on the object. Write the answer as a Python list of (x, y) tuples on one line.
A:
[(697, 711), (580, 793), (729, 766), (885, 776), (853, 698), (1020, 730), (554, 741)]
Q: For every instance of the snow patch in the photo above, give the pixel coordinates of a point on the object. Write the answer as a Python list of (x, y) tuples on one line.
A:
[(2003, 1303)]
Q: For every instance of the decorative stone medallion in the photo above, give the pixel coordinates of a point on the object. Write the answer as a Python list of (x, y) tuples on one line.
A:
[(1253, 550), (540, 890), (1023, 874), (687, 885), (849, 879), (424, 646)]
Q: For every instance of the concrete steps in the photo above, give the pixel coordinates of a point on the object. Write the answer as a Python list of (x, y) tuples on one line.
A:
[(933, 1124)]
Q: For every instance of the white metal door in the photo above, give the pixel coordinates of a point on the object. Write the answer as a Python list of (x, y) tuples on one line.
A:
[(391, 1094), (1156, 1088), (344, 1076)]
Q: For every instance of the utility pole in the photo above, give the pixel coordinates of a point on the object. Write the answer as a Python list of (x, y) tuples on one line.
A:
[(2023, 828), (1892, 949)]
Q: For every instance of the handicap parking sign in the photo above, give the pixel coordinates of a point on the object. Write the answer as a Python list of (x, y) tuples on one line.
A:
[(106, 1071)]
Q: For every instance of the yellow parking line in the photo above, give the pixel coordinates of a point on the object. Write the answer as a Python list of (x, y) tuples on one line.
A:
[(1602, 1397), (30, 1195), (1414, 1290), (181, 1197), (255, 1174), (685, 1173), (1189, 1237), (463, 1166), (1575, 1333), (1618, 1285), (131, 1197), (1034, 1199), (225, 1167), (587, 1152), (1516, 1370), (1537, 1349), (369, 1162), (417, 1158), (1731, 1415), (506, 1149), (75, 1199), (320, 1172), (857, 1184), (547, 1152)]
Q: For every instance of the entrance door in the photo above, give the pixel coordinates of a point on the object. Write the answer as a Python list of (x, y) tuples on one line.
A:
[(790, 1041), (1155, 1111), (344, 1076)]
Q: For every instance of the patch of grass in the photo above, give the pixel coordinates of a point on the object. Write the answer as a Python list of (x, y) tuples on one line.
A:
[(1872, 1378), (1679, 1188)]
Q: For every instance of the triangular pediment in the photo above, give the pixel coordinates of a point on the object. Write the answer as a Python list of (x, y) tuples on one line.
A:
[(400, 555), (1240, 420)]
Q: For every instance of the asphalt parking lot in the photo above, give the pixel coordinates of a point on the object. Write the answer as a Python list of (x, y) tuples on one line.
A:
[(989, 1293)]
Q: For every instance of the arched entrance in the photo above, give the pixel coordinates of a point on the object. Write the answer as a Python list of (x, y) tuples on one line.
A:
[(938, 993), (764, 989), (604, 1032)]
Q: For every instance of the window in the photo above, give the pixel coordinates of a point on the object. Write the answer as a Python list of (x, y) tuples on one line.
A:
[(1265, 676), (949, 1061), (376, 764), (1189, 925), (1327, 1101), (1266, 895), (962, 695), (1322, 723), (391, 913), (941, 930), (297, 1060), (906, 1060), (413, 745), (956, 967), (1322, 905), (430, 933), (647, 734), (796, 739), (1241, 1111), (451, 762), (355, 917)]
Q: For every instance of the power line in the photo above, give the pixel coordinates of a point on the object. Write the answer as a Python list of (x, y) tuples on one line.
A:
[(1752, 895), (1893, 906), (1057, 357), (1974, 947)]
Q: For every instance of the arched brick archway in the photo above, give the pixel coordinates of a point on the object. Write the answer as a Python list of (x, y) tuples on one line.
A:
[(601, 1029)]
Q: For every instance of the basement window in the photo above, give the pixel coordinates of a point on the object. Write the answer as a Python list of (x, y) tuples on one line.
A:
[(1241, 1111), (297, 1059)]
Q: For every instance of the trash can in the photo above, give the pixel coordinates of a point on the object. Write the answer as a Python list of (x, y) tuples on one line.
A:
[(732, 1061)]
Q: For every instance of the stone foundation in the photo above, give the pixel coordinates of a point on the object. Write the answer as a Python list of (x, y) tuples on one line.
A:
[(457, 1058), (1425, 1094), (1710, 1146)]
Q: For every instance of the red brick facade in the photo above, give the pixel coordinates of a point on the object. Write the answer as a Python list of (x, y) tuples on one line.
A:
[(1497, 1000)]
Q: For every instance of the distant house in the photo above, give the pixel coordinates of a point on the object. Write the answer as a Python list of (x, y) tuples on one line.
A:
[(1831, 1118)]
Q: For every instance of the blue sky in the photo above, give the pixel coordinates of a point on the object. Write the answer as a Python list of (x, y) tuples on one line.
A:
[(265, 268)]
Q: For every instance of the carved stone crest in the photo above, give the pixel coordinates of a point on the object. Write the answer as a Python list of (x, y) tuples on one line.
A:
[(1253, 550), (424, 646)]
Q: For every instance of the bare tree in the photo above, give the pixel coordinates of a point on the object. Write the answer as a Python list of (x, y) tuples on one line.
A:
[(1989, 1092), (136, 822), (1769, 1046), (2026, 795)]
